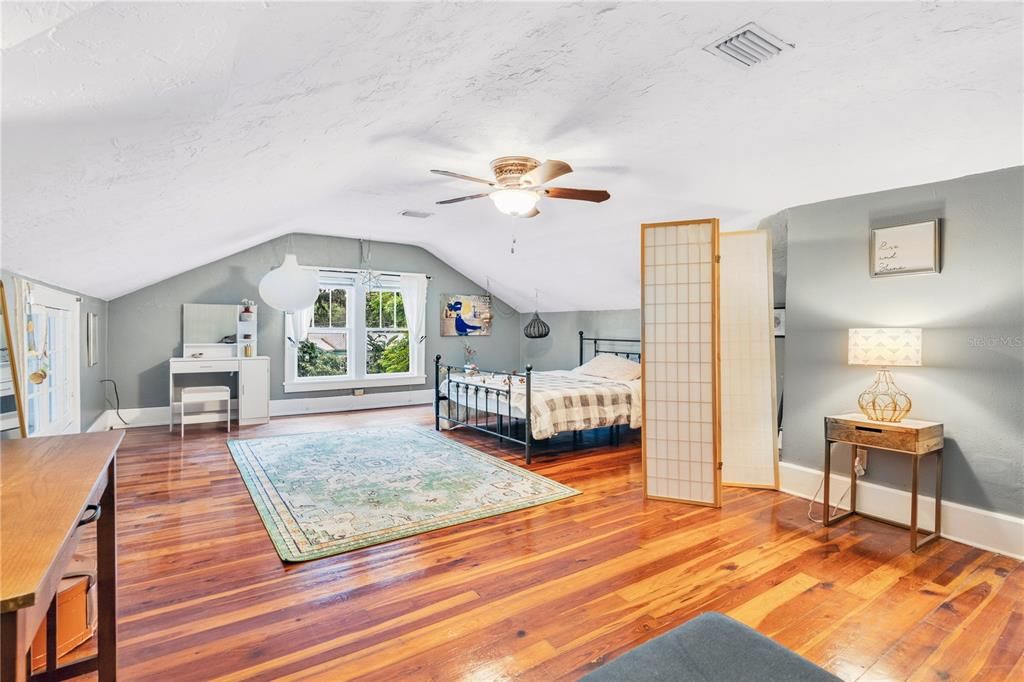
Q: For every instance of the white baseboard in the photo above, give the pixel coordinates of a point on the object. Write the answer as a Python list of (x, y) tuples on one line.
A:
[(102, 422), (157, 416), (345, 403), (980, 528)]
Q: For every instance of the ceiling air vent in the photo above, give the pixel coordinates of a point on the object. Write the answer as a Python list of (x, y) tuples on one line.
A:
[(748, 46), (415, 214)]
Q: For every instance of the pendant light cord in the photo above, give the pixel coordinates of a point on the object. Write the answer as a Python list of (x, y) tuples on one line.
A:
[(512, 312)]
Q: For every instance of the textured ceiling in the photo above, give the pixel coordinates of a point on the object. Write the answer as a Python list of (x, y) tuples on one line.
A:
[(142, 140)]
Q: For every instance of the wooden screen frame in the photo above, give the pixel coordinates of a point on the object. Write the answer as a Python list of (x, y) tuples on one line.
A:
[(716, 365), (775, 396), (14, 360)]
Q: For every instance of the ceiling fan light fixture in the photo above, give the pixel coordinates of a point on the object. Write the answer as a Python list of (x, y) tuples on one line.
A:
[(515, 202)]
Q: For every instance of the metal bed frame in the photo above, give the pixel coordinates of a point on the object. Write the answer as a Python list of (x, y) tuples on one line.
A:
[(507, 427)]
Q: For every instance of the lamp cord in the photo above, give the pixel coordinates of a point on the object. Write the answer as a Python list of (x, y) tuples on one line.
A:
[(810, 505), (117, 398)]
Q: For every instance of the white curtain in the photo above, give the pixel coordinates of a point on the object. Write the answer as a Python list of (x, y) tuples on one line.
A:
[(299, 322), (414, 300)]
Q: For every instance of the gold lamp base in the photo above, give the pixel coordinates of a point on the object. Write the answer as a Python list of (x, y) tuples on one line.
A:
[(883, 401)]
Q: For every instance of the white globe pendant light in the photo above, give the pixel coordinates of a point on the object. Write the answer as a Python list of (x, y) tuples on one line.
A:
[(290, 287)]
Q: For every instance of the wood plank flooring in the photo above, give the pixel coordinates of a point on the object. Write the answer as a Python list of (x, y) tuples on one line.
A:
[(547, 593)]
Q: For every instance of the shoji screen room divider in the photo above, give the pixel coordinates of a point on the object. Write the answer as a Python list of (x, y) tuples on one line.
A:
[(679, 307), (750, 455), (708, 361)]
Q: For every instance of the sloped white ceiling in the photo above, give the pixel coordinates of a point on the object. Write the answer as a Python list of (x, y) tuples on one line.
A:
[(142, 140)]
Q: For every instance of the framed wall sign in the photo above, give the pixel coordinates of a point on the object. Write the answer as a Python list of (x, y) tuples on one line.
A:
[(911, 249)]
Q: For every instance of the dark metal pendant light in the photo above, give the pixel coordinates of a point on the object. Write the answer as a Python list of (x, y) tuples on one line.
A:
[(536, 328)]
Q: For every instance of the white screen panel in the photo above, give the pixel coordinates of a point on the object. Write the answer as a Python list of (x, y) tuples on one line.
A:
[(749, 453), (679, 342)]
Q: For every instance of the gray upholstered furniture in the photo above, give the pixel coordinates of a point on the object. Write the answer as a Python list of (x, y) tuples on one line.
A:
[(710, 648)]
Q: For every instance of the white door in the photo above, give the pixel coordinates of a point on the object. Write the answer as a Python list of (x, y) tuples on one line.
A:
[(52, 404), (253, 390)]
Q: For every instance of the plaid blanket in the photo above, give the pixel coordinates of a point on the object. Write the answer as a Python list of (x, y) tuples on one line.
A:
[(567, 401)]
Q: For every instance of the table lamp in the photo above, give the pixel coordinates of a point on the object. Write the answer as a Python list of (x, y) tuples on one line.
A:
[(883, 401)]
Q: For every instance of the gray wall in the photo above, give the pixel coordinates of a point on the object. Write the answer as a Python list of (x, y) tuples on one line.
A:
[(145, 326), (972, 314), (560, 348), (93, 393)]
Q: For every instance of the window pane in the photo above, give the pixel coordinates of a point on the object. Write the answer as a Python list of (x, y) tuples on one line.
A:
[(387, 353), (323, 355), (339, 307), (330, 308), (373, 309), (400, 312), (387, 309), (322, 309), (384, 310)]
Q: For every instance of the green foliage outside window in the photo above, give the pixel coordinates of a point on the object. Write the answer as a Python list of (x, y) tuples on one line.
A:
[(315, 362), (387, 353), (330, 308), (387, 341), (385, 310)]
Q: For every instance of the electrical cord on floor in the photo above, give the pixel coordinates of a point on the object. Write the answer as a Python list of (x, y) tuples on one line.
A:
[(117, 398), (810, 507)]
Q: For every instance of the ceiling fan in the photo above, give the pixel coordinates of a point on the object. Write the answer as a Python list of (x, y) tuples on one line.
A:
[(518, 185)]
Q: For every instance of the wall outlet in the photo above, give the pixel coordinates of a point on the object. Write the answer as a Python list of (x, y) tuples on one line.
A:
[(862, 461), (358, 391)]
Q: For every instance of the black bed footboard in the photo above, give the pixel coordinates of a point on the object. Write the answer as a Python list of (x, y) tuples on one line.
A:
[(470, 403)]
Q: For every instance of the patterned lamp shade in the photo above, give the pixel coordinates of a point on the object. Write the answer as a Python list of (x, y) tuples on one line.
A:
[(536, 328), (888, 347)]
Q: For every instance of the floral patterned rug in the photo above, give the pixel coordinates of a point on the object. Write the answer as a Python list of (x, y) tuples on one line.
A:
[(326, 493)]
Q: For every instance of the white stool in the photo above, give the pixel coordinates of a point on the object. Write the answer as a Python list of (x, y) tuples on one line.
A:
[(202, 394)]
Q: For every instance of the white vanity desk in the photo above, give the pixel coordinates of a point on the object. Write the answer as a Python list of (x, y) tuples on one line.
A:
[(219, 338), (253, 384)]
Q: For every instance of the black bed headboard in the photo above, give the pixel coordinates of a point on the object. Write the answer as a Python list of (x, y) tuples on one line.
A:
[(624, 348)]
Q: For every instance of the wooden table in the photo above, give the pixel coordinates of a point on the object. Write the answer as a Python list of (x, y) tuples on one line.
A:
[(911, 437), (49, 487)]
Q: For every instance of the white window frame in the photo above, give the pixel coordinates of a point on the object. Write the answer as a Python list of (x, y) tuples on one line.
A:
[(356, 355)]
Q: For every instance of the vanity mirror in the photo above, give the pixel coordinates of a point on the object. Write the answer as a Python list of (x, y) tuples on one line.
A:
[(212, 330)]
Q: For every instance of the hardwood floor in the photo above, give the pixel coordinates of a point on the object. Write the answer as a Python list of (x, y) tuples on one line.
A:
[(541, 594)]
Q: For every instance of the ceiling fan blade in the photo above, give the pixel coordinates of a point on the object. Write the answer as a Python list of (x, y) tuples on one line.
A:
[(460, 176), (595, 195), (467, 198), (531, 214), (546, 172)]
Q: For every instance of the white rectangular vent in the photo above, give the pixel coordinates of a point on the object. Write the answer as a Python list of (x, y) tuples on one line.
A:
[(748, 45)]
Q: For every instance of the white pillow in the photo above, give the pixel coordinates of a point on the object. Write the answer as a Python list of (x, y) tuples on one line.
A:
[(614, 367)]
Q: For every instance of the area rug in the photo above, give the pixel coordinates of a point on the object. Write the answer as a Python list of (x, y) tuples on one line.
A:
[(326, 493)]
